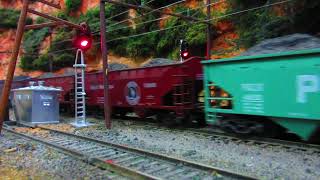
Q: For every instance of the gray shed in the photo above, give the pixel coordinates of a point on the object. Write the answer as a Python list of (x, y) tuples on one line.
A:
[(36, 104)]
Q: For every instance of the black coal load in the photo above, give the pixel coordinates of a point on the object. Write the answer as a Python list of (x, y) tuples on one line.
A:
[(283, 44), (158, 62), (117, 66)]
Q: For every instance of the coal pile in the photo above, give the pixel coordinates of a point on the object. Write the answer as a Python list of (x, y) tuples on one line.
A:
[(158, 62), (20, 78), (47, 75), (117, 66), (283, 44)]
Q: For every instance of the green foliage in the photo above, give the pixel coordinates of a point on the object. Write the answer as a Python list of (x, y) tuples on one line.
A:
[(62, 15), (26, 63), (32, 41), (73, 5), (41, 63), (9, 18), (60, 40), (306, 19), (141, 46), (255, 26), (40, 20), (63, 60), (33, 38), (194, 33), (258, 25), (157, 4)]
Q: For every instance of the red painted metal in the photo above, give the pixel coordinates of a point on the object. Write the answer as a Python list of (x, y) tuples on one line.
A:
[(65, 83), (151, 85)]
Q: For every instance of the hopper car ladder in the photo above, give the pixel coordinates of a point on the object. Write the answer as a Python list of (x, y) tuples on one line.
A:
[(182, 91)]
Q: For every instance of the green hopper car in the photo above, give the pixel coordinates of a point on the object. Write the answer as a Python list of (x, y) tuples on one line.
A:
[(281, 88)]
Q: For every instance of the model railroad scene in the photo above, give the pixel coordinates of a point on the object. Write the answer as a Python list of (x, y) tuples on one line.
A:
[(150, 89)]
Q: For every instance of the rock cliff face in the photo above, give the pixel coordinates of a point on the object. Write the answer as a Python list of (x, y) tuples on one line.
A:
[(225, 37)]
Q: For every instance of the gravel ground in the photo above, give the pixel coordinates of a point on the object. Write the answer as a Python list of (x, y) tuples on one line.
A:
[(254, 160), (24, 159)]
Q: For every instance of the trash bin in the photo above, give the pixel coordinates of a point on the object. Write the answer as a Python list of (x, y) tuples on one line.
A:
[(36, 104)]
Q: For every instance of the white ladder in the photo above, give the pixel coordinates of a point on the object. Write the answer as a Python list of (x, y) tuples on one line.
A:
[(80, 101)]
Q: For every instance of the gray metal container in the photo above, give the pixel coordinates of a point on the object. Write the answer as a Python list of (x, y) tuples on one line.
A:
[(36, 104)]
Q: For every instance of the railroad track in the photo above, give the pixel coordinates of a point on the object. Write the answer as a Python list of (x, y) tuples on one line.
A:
[(131, 162), (218, 135)]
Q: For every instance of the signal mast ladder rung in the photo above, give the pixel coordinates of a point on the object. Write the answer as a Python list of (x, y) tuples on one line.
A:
[(80, 105)]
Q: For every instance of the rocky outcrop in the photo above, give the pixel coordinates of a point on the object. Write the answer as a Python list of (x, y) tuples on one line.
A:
[(283, 44)]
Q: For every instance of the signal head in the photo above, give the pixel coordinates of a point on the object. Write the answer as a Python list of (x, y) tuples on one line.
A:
[(83, 38)]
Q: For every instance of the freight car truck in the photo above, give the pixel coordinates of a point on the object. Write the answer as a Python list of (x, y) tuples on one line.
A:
[(253, 91)]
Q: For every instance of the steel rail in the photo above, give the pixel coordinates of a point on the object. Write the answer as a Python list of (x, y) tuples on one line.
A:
[(253, 139), (73, 154), (163, 157), (185, 164), (86, 158)]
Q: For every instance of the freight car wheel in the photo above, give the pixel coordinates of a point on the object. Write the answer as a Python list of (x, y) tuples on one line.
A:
[(166, 118), (141, 112), (189, 120), (201, 121)]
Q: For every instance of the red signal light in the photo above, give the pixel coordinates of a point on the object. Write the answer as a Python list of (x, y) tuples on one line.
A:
[(84, 43), (184, 50), (83, 38), (185, 54)]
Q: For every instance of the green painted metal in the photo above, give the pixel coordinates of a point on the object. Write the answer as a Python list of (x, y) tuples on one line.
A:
[(283, 85), (300, 127)]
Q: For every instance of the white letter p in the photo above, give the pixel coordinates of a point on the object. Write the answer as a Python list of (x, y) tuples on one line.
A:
[(306, 84)]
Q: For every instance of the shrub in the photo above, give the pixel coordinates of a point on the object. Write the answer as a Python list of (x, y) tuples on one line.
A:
[(41, 63), (33, 38), (72, 5), (26, 63), (63, 60), (9, 18)]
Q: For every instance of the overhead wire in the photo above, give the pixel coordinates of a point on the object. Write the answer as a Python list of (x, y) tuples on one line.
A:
[(172, 4), (126, 11), (94, 33), (214, 3), (209, 20)]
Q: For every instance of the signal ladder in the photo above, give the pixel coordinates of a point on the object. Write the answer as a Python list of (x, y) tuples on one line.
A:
[(80, 101)]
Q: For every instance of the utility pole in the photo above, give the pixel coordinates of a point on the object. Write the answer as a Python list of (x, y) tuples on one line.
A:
[(50, 56), (13, 61), (104, 54), (208, 55)]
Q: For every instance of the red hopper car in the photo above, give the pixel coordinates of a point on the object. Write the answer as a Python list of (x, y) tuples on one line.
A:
[(172, 92)]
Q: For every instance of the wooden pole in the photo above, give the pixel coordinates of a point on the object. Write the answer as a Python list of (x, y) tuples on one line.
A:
[(208, 30), (13, 61), (104, 54), (76, 26), (50, 4), (38, 26)]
